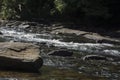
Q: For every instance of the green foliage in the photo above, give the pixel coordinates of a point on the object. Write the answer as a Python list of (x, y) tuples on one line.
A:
[(7, 9), (82, 9), (36, 8), (60, 5)]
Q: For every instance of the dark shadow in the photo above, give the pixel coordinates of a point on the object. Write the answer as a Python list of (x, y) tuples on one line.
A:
[(105, 28)]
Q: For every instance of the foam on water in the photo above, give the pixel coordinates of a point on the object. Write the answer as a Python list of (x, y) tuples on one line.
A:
[(112, 52), (32, 37)]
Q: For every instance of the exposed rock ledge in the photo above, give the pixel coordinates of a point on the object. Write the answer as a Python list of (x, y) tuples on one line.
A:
[(88, 35), (20, 56)]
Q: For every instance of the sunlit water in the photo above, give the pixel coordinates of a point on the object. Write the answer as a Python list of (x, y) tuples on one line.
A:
[(66, 68)]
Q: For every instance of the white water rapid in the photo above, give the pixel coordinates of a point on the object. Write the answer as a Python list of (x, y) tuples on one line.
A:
[(33, 37)]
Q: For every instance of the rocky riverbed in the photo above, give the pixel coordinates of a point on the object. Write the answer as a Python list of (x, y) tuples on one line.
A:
[(67, 54), (60, 28)]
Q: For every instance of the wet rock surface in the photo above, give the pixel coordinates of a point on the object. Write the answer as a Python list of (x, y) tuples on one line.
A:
[(55, 38), (63, 53), (0, 33), (59, 28), (20, 56), (93, 37), (2, 39), (96, 57)]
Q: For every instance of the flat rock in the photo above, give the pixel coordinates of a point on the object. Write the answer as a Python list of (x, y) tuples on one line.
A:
[(97, 37), (63, 53), (20, 56), (24, 26), (96, 57), (88, 35), (68, 31)]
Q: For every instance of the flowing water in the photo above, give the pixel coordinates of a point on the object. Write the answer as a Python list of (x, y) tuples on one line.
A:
[(65, 68)]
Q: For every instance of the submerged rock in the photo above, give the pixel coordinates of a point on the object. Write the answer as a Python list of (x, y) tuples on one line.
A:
[(63, 53), (20, 56), (2, 39), (24, 26), (1, 33), (96, 57)]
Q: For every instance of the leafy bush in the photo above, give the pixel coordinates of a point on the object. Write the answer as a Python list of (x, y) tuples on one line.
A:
[(80, 9)]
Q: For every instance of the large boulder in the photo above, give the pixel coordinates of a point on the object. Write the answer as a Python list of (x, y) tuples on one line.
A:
[(20, 56)]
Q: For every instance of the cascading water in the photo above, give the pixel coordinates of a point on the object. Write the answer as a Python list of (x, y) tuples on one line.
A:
[(74, 63), (99, 48)]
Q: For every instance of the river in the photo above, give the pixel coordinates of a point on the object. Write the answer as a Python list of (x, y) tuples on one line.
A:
[(65, 68)]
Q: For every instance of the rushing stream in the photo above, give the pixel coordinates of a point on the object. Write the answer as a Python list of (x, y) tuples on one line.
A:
[(66, 68)]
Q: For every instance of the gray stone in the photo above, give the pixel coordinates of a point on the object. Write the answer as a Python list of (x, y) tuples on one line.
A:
[(1, 33), (63, 53), (20, 56), (93, 37), (24, 26), (96, 57), (2, 39)]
